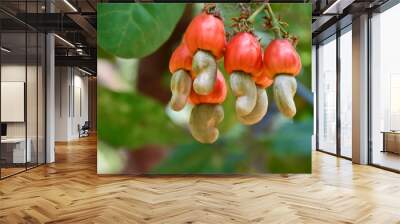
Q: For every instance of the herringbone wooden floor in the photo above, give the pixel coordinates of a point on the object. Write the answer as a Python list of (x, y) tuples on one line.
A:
[(69, 191)]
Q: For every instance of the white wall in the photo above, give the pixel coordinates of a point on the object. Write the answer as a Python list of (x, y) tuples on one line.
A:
[(12, 73), (62, 81), (33, 127), (71, 94), (80, 103)]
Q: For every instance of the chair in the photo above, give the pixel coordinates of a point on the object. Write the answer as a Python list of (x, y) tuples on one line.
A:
[(84, 130)]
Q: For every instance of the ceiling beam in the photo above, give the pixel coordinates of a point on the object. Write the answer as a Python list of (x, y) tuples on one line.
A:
[(337, 7), (78, 61), (49, 22), (84, 24)]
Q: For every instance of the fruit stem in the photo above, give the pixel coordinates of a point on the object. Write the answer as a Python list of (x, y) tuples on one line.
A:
[(211, 8), (276, 27), (253, 16)]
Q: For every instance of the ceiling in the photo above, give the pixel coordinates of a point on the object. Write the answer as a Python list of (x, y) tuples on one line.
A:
[(330, 15), (74, 22)]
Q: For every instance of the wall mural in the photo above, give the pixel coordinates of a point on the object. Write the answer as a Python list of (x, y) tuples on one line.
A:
[(204, 88)]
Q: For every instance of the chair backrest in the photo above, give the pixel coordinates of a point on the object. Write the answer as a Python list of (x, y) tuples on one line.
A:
[(86, 124)]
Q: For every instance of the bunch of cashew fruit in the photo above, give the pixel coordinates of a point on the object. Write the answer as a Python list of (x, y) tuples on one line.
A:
[(197, 80)]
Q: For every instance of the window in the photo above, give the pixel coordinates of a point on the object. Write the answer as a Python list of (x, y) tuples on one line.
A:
[(385, 89), (327, 96), (22, 77), (346, 92)]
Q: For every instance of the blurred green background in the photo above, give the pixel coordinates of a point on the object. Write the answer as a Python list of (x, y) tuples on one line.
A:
[(139, 134)]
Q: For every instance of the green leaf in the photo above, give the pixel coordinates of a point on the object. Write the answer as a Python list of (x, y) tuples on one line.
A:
[(228, 11), (131, 120), (105, 55), (136, 30), (289, 148), (188, 158)]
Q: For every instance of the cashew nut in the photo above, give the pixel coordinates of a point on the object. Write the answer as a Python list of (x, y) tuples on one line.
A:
[(244, 88), (181, 83), (259, 110), (284, 90), (205, 68), (204, 120)]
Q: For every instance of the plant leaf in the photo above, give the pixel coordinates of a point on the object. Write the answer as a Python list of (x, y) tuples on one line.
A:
[(132, 120), (136, 30), (289, 148), (188, 158)]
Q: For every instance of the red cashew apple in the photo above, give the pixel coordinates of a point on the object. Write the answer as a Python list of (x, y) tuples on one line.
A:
[(243, 53), (180, 66), (206, 32), (243, 60), (280, 57), (282, 63), (208, 112), (205, 38)]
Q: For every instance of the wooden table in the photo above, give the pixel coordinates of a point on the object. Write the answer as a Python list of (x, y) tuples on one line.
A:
[(391, 141), (14, 150)]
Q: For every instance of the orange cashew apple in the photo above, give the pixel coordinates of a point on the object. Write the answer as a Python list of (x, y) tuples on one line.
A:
[(180, 66)]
